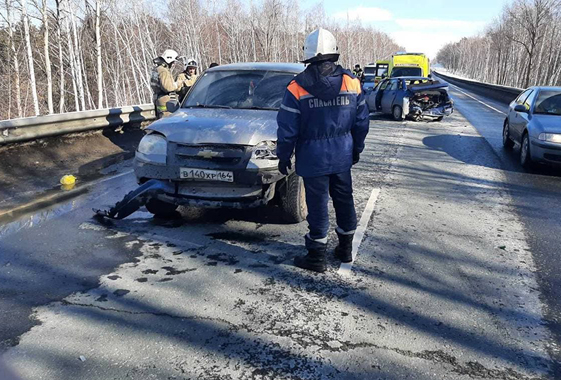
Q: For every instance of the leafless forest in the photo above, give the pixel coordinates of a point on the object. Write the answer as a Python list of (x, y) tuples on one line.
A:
[(521, 48), (68, 55)]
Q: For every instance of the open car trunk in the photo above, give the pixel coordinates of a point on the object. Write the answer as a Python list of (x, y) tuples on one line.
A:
[(429, 100)]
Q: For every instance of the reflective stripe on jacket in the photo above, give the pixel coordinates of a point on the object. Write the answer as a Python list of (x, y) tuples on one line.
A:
[(324, 133)]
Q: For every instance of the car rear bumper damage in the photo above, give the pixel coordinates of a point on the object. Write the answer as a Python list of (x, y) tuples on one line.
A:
[(428, 105), (436, 112)]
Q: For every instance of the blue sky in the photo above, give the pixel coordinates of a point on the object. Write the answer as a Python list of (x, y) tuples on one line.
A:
[(420, 25)]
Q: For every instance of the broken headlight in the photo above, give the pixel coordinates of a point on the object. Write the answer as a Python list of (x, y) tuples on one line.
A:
[(264, 156), (152, 148)]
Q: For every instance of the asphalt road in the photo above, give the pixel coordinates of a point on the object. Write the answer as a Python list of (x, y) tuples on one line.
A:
[(447, 283), (536, 199)]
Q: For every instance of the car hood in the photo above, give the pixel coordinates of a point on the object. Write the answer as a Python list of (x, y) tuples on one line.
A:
[(218, 126), (547, 123)]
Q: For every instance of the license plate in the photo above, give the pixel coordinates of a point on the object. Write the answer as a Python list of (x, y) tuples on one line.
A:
[(206, 175)]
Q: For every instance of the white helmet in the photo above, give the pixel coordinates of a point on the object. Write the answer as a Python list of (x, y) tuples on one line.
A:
[(191, 62), (320, 43), (169, 56)]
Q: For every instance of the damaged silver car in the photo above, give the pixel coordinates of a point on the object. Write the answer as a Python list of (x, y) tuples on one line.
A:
[(415, 98), (219, 148)]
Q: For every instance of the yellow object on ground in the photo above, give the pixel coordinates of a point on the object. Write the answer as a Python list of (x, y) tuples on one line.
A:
[(68, 180)]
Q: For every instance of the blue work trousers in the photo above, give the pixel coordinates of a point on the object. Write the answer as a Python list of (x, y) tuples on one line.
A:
[(318, 189)]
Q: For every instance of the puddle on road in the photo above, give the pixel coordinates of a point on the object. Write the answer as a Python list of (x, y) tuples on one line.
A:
[(36, 214), (51, 204)]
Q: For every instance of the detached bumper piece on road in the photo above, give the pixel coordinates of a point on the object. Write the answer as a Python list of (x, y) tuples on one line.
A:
[(135, 199)]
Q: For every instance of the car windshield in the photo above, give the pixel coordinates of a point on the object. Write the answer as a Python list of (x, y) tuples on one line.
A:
[(381, 70), (548, 103), (406, 72), (242, 89)]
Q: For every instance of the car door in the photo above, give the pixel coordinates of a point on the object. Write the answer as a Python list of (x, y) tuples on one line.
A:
[(389, 96), (375, 98), (515, 120), (524, 117)]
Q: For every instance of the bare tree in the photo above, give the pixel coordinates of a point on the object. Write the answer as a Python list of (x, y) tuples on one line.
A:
[(14, 58), (104, 49), (30, 62), (98, 54), (60, 26), (48, 71), (521, 48)]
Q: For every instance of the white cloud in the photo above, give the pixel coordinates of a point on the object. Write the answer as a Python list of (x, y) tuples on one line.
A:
[(366, 14), (444, 25), (429, 35)]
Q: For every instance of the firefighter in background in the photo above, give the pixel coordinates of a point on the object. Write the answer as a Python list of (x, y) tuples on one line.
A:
[(188, 77), (163, 86), (324, 119)]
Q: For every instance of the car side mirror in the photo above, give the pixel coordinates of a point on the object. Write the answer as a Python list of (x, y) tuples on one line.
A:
[(520, 108)]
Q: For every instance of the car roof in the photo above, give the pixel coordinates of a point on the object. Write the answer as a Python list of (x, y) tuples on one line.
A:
[(295, 68), (551, 88), (412, 78)]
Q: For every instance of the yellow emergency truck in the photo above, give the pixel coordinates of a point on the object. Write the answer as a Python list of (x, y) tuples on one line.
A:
[(409, 65)]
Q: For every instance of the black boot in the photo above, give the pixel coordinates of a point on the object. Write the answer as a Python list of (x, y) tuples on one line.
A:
[(315, 259), (344, 251)]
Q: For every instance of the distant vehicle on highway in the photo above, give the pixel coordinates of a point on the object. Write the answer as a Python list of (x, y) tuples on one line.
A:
[(412, 97), (368, 82), (409, 65), (378, 70), (534, 122), (219, 149)]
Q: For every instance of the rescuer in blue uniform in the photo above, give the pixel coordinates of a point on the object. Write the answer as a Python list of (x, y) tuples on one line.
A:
[(323, 118)]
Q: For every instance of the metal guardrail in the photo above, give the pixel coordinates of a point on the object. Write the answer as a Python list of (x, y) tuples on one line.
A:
[(31, 128), (502, 94)]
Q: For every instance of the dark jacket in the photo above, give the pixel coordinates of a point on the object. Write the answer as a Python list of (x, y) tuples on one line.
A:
[(324, 118)]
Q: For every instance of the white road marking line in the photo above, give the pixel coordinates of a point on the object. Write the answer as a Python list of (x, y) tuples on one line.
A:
[(345, 268), (477, 100)]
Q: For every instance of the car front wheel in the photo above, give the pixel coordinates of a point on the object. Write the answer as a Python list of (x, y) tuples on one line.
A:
[(292, 199), (507, 142), (525, 155)]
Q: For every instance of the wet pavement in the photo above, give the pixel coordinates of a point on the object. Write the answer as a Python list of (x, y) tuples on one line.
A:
[(444, 285)]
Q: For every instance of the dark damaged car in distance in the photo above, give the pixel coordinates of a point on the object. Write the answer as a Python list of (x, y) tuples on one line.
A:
[(411, 97), (219, 148), (534, 122)]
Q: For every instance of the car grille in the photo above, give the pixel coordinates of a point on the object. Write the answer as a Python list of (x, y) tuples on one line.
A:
[(210, 156)]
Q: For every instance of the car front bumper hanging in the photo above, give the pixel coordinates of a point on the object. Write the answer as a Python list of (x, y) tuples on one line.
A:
[(135, 199)]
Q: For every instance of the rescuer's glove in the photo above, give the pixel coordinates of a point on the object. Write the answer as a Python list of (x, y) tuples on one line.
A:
[(356, 157), (284, 166)]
